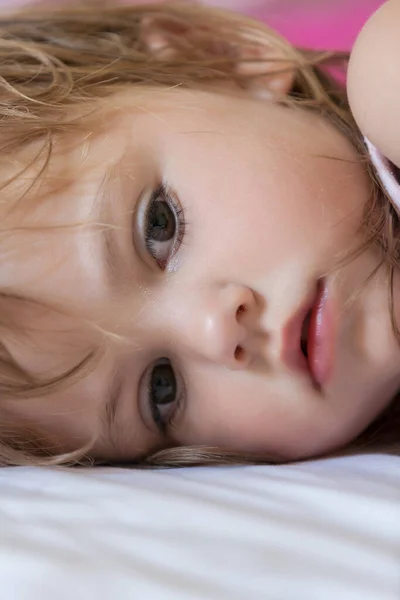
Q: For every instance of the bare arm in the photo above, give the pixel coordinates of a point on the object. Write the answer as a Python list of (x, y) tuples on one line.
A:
[(374, 80)]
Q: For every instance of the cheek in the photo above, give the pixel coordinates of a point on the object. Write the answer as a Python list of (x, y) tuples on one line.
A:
[(267, 220), (269, 197), (244, 413)]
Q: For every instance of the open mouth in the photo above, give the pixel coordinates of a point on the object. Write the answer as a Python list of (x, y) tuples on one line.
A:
[(309, 333), (304, 334), (308, 338)]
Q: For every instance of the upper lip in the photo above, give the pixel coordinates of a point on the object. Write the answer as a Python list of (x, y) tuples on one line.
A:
[(291, 354)]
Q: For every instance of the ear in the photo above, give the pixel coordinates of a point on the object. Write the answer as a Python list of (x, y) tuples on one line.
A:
[(264, 69), (270, 73)]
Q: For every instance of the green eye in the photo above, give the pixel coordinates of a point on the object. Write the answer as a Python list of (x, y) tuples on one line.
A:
[(161, 223), (164, 226), (163, 393)]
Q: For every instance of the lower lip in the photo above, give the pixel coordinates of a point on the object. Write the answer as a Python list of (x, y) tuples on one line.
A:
[(321, 342)]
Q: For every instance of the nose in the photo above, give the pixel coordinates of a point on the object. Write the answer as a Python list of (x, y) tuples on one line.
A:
[(220, 324)]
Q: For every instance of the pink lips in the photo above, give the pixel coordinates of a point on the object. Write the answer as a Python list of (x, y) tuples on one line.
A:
[(320, 343), (291, 354)]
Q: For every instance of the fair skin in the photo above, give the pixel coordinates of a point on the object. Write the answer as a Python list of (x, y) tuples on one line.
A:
[(374, 82), (268, 210)]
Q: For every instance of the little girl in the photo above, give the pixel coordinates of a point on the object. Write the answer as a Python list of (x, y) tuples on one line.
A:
[(198, 262)]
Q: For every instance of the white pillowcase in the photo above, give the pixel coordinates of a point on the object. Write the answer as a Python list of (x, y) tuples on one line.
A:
[(323, 530)]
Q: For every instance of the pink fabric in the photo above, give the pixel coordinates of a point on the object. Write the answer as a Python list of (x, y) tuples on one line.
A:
[(320, 24), (387, 173)]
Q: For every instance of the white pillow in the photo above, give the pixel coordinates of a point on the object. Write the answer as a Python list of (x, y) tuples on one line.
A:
[(323, 530)]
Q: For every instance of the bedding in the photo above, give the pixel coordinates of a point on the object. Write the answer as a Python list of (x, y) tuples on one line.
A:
[(323, 530)]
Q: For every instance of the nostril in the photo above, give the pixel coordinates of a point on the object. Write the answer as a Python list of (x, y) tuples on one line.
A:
[(240, 310), (239, 353)]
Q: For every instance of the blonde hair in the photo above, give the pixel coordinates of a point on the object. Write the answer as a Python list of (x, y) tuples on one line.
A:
[(53, 59)]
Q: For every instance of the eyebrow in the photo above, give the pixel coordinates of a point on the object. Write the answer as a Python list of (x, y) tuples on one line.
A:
[(110, 252), (109, 245), (113, 401), (111, 187)]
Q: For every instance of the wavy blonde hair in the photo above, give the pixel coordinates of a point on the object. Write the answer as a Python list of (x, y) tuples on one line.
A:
[(53, 59)]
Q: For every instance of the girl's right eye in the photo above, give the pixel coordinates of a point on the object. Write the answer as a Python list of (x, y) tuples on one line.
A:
[(164, 226)]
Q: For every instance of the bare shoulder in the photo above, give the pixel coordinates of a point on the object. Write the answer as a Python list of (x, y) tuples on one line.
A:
[(374, 80)]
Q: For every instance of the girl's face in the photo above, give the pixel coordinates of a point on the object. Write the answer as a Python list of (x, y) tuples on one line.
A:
[(210, 223)]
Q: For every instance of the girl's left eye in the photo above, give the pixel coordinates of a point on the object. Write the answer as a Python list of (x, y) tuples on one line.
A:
[(165, 394), (164, 226)]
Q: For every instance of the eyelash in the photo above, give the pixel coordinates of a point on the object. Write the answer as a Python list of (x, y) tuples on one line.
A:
[(164, 194)]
